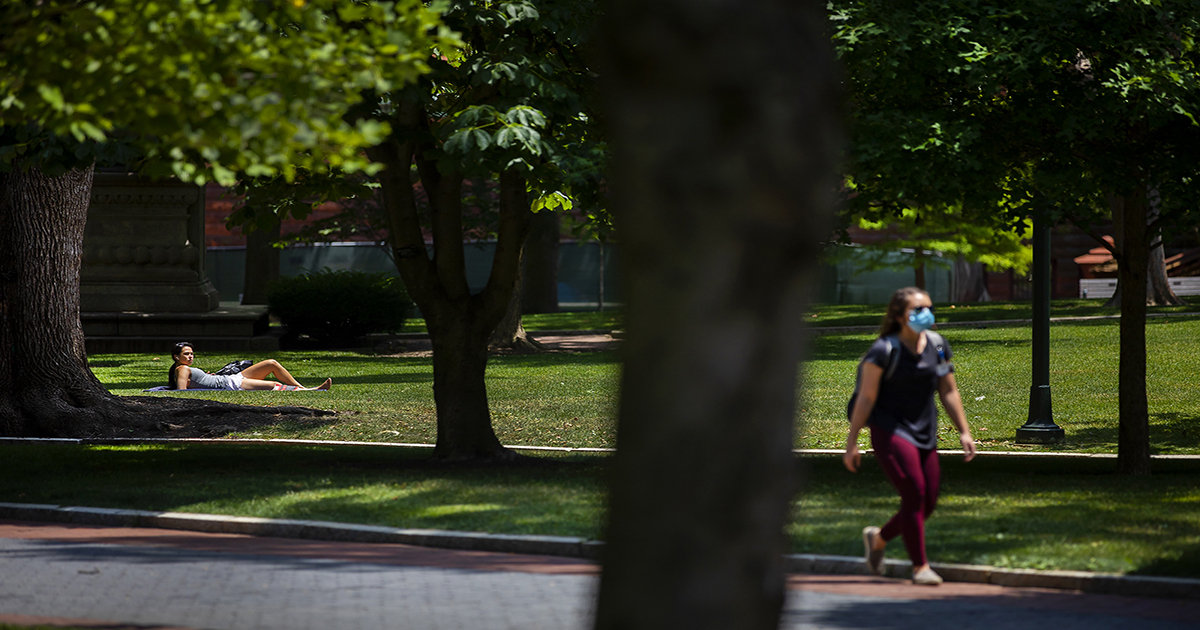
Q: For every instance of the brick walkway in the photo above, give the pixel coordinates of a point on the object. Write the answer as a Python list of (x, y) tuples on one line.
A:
[(118, 578)]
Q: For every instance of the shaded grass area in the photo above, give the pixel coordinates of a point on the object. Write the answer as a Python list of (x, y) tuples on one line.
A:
[(366, 485), (1027, 513), (570, 399)]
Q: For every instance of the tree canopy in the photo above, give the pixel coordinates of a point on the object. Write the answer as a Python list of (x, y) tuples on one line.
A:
[(1083, 111), (1033, 105), (202, 89)]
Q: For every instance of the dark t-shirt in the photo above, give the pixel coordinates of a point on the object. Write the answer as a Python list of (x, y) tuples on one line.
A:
[(905, 403)]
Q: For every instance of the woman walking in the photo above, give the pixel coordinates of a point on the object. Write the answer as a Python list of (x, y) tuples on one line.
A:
[(897, 379), (183, 376)]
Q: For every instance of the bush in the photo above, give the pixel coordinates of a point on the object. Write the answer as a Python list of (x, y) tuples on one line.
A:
[(338, 307)]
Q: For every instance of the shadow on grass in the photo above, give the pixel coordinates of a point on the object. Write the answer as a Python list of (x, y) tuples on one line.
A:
[(1169, 432), (367, 485)]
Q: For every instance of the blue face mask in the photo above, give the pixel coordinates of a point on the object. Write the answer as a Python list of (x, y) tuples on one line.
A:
[(921, 319)]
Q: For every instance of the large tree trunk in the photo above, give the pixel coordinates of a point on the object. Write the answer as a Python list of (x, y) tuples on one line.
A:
[(723, 124), (459, 323), (539, 265), (46, 388), (464, 422), (1133, 442)]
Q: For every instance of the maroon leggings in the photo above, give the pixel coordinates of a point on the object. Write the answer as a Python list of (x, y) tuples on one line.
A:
[(915, 473)]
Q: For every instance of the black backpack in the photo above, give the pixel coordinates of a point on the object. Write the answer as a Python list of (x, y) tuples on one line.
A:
[(893, 359), (234, 367)]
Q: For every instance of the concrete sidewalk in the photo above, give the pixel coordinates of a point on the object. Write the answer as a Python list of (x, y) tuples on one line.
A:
[(113, 577), (576, 548)]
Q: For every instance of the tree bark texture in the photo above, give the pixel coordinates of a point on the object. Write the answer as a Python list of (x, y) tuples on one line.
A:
[(262, 264), (919, 270), (724, 131), (539, 265), (510, 333), (46, 388), (1158, 286), (1133, 441), (970, 282), (460, 324)]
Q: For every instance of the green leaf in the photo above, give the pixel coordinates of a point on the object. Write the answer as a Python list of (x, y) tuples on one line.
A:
[(52, 95)]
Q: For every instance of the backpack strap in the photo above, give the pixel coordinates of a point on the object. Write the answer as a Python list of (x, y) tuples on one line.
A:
[(938, 342), (892, 343)]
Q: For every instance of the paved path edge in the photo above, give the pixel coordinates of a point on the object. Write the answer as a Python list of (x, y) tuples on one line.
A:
[(819, 564)]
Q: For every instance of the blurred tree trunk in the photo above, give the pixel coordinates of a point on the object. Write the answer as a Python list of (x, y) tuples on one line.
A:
[(723, 125), (539, 264), (919, 270), (262, 264), (970, 282)]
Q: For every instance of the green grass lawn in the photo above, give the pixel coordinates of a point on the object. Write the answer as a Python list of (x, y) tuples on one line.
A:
[(851, 314), (569, 400), (1014, 512), (1032, 513)]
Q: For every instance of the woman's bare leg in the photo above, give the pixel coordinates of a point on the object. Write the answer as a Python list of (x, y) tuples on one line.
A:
[(263, 369), (254, 383)]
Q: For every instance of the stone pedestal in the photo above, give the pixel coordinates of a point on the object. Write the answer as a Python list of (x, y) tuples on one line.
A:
[(142, 283), (143, 248)]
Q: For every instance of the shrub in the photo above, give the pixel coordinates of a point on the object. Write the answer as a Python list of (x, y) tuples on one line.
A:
[(338, 307)]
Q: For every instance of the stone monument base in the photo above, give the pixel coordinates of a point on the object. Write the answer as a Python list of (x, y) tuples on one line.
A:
[(231, 327)]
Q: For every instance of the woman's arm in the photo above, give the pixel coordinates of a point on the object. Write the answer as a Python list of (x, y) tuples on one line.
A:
[(952, 402), (868, 390), (183, 376)]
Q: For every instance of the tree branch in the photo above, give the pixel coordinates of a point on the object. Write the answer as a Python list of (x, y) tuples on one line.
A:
[(399, 203), (506, 263)]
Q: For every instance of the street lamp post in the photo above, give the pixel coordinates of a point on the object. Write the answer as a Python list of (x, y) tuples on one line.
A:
[(1040, 427)]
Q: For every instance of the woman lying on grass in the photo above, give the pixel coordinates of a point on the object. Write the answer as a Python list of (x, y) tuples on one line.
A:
[(183, 376)]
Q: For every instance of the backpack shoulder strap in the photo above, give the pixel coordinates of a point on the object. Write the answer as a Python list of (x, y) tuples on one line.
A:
[(892, 343), (938, 342)]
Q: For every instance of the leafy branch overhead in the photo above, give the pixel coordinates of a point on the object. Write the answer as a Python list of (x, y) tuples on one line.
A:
[(202, 90), (1035, 106)]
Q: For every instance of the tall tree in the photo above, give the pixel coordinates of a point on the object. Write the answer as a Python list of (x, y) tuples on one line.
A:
[(190, 88), (723, 124), (514, 107), (1061, 110)]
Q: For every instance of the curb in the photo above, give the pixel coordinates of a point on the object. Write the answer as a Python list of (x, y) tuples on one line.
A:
[(1083, 581), (311, 530)]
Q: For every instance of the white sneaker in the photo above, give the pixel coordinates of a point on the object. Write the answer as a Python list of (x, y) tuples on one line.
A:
[(873, 556), (926, 577)]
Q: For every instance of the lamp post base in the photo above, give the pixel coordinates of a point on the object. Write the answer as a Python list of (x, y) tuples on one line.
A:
[(1040, 428), (1044, 434)]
